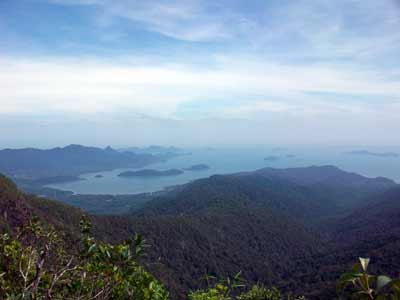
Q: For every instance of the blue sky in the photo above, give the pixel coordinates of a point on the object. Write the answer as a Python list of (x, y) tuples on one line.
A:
[(192, 72)]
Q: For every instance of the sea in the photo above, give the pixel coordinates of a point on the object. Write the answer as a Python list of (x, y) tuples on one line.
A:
[(369, 161)]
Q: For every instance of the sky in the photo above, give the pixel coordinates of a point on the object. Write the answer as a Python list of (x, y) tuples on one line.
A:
[(194, 73)]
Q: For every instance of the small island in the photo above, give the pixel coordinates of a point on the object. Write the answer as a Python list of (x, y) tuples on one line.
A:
[(151, 173), (98, 176), (199, 167), (272, 158)]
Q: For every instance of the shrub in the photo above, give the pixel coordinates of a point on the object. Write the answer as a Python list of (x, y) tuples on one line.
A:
[(359, 284), (259, 292)]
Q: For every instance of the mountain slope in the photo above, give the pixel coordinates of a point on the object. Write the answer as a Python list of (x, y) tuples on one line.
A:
[(381, 216), (17, 208), (257, 224), (224, 194), (189, 247), (263, 223), (226, 224), (311, 195), (347, 189)]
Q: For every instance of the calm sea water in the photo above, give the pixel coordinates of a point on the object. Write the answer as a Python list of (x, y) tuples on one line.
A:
[(237, 159)]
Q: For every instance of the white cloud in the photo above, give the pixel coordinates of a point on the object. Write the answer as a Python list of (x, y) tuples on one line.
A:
[(94, 86)]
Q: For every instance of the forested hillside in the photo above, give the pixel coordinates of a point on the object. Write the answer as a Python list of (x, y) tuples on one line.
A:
[(276, 226), (274, 229)]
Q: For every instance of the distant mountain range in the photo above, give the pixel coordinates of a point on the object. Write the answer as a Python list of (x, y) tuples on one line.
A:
[(294, 228), (68, 162)]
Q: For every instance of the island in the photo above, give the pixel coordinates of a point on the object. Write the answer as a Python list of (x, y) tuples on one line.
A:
[(151, 173), (198, 167), (98, 176), (272, 158)]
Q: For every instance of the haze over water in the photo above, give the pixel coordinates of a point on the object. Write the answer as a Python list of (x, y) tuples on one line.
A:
[(224, 160)]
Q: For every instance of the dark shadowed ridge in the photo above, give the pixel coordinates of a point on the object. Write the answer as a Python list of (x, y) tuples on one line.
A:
[(379, 217)]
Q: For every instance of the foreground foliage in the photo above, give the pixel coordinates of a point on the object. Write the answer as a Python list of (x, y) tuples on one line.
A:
[(359, 284), (37, 263), (225, 290)]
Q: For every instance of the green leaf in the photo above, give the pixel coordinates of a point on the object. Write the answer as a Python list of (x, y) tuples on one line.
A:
[(364, 263), (382, 280), (91, 248)]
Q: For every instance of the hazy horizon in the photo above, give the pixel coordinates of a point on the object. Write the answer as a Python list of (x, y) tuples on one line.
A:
[(199, 73), (286, 147)]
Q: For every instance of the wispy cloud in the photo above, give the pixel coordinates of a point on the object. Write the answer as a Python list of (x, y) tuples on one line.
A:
[(328, 29), (94, 86), (190, 20)]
